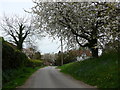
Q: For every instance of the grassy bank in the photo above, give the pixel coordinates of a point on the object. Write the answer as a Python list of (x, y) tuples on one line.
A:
[(19, 76), (101, 72)]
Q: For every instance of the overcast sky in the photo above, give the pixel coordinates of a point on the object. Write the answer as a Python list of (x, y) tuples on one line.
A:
[(11, 7)]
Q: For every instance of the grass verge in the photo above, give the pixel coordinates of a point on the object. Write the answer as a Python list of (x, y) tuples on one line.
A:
[(20, 76), (101, 72)]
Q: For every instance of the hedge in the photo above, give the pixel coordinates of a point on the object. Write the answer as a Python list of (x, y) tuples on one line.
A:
[(34, 63)]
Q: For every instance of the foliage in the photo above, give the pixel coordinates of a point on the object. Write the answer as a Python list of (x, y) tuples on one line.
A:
[(37, 55), (49, 57), (101, 72), (16, 77), (34, 63), (16, 67), (1, 38), (20, 59), (11, 57), (8, 58), (112, 46), (88, 24), (67, 58)]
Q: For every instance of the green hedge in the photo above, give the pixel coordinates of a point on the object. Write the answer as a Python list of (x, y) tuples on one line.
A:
[(8, 54), (20, 59), (12, 58), (34, 63)]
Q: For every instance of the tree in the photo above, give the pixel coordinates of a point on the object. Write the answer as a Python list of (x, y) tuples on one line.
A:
[(18, 28), (37, 55), (69, 56), (88, 24)]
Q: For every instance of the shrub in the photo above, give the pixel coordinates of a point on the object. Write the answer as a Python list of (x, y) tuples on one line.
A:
[(34, 63), (67, 58), (112, 46), (37, 55), (14, 62), (8, 54), (20, 59), (11, 57)]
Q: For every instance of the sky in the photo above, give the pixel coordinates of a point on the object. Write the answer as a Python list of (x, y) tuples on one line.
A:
[(11, 7)]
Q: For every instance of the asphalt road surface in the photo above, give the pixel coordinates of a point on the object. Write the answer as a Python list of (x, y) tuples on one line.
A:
[(49, 77)]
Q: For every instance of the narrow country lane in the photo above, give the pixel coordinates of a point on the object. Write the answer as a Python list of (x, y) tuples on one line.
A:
[(49, 77)]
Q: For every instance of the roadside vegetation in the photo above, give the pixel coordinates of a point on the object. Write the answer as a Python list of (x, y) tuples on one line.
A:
[(16, 67), (101, 72), (91, 26), (17, 77), (67, 58)]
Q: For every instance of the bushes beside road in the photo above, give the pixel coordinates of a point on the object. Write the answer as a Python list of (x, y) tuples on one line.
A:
[(17, 77), (16, 67), (34, 63), (11, 57), (67, 58)]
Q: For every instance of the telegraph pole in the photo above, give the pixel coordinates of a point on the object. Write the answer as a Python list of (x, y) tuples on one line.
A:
[(61, 51)]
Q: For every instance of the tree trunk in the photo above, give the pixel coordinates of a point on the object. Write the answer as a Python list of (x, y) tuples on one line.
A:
[(19, 46), (94, 52), (93, 47)]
